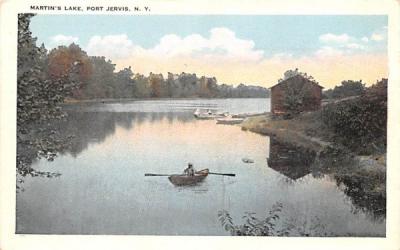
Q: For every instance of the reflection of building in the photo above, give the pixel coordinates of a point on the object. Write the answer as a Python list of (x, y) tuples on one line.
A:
[(290, 161), (296, 90)]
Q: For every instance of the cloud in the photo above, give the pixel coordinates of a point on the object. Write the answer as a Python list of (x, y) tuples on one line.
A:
[(63, 40), (327, 51), (111, 46), (355, 46), (341, 44), (336, 45), (332, 38), (221, 45), (232, 59)]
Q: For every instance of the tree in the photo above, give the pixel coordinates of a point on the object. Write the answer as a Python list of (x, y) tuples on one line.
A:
[(290, 73), (361, 122), (101, 83), (141, 87), (298, 97), (293, 101), (348, 88), (61, 61), (299, 94), (38, 101), (157, 85), (124, 83), (39, 94), (326, 94)]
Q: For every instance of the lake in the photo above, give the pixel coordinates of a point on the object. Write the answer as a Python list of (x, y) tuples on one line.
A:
[(102, 188)]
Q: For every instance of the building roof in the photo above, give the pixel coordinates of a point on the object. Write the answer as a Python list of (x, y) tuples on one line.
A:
[(296, 76)]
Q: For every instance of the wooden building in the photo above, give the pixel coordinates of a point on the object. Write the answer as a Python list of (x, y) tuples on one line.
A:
[(297, 93)]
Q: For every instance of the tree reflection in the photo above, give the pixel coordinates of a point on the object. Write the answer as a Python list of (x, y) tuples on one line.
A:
[(365, 189), (289, 161), (361, 191), (73, 134), (95, 127)]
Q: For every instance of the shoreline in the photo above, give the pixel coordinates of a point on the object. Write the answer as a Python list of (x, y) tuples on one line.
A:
[(362, 175), (111, 100), (292, 132), (264, 125)]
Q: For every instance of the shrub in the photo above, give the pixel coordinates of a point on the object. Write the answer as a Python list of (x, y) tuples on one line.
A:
[(253, 226), (361, 122)]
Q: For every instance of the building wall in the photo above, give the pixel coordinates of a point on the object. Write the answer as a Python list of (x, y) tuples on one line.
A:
[(277, 100), (300, 85)]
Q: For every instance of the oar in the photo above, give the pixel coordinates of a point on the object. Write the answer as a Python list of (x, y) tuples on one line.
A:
[(156, 174), (221, 174)]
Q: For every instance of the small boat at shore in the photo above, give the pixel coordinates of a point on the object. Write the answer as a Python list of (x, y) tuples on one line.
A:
[(208, 114), (229, 120), (246, 115), (183, 179), (247, 160)]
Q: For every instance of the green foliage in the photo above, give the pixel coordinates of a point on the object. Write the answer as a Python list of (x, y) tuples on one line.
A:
[(253, 226), (346, 89), (124, 84), (362, 189), (272, 225), (38, 100), (326, 94), (157, 85), (101, 83), (293, 101), (360, 123), (63, 59), (39, 95), (299, 96), (141, 87)]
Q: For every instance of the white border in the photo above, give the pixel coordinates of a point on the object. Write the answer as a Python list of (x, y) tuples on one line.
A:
[(8, 49)]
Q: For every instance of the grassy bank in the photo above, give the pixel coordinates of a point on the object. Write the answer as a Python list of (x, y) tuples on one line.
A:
[(305, 131), (308, 131)]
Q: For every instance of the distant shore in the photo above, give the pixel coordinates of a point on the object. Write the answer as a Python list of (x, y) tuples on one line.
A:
[(111, 100)]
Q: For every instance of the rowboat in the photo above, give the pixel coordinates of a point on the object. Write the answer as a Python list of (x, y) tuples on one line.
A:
[(182, 179)]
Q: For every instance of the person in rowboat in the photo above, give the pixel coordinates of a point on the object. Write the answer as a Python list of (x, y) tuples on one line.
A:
[(189, 170)]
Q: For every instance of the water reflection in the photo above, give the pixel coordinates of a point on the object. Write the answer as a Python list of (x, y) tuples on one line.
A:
[(94, 127), (356, 187), (295, 163), (289, 160), (103, 190)]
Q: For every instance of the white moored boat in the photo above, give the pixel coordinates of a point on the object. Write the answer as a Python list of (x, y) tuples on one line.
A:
[(208, 114), (229, 120)]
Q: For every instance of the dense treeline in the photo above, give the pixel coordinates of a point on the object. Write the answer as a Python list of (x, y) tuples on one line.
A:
[(346, 89), (99, 79), (104, 82)]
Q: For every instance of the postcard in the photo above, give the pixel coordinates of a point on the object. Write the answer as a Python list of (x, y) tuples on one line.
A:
[(167, 124)]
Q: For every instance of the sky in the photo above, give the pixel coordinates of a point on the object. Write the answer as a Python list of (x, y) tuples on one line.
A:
[(254, 49)]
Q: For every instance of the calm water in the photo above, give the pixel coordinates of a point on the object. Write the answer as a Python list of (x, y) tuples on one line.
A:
[(103, 190)]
